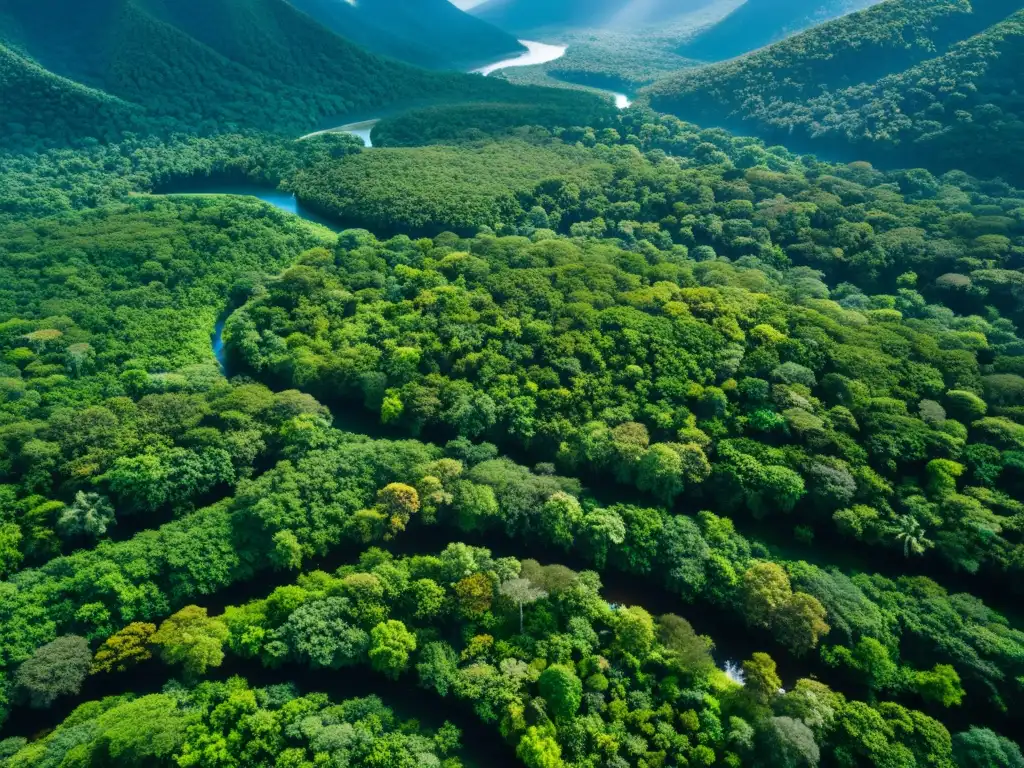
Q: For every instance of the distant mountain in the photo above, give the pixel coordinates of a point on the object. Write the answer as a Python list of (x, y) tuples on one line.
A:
[(525, 16), (102, 66), (929, 83), (757, 23), (428, 33)]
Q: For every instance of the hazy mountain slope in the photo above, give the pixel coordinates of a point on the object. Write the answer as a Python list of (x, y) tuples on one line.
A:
[(894, 84), (757, 23), (203, 65), (963, 110), (523, 16), (38, 103), (428, 33)]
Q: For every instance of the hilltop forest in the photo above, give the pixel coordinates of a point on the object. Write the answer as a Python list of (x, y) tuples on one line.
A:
[(541, 433), (925, 83)]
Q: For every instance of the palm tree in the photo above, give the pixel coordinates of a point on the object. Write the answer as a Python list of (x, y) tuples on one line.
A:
[(90, 515), (910, 531)]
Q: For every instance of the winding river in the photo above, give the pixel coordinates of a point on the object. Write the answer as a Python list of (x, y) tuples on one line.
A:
[(536, 53)]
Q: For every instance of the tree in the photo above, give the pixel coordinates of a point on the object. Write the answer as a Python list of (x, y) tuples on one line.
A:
[(390, 646), (448, 738), (762, 681), (287, 551), (940, 685), (320, 634), (660, 472), (788, 743), (538, 749), (143, 732), (874, 662), (475, 594), (521, 592), (560, 518), (602, 529), (981, 748), (811, 702), (911, 533), (427, 597), (800, 622), (399, 502), (475, 505), (438, 667), (10, 548), (55, 669), (965, 406), (124, 649), (766, 589), (562, 690), (90, 515), (634, 631), (192, 639), (690, 651)]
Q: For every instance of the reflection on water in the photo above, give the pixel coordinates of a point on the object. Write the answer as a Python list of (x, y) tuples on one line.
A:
[(537, 53), (285, 201)]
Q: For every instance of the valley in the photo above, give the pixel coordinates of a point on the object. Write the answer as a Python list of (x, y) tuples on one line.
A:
[(619, 384)]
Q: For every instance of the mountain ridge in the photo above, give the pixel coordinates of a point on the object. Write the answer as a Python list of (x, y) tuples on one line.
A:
[(428, 33)]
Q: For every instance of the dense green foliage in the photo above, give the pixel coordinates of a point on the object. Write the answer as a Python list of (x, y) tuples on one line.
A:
[(474, 122), (64, 180), (229, 723), (756, 23), (100, 309), (38, 103), (562, 674), (875, 409), (902, 83), (825, 359), (617, 61), (428, 33), (450, 188)]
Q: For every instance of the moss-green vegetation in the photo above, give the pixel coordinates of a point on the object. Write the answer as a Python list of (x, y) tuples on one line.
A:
[(474, 122), (453, 188), (534, 649), (756, 23), (230, 723), (795, 389), (904, 83)]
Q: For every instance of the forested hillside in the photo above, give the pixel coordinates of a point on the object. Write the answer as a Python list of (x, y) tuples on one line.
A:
[(546, 432), (428, 33), (906, 82), (757, 23), (159, 66), (38, 103), (707, 323)]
